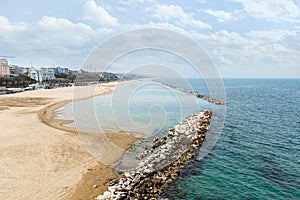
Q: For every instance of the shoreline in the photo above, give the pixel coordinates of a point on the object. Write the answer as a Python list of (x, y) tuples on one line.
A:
[(96, 178), (45, 159), (163, 163)]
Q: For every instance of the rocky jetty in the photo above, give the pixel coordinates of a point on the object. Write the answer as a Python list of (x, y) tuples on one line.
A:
[(162, 165), (200, 96)]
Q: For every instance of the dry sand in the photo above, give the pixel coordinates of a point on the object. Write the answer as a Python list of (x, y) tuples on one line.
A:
[(40, 159)]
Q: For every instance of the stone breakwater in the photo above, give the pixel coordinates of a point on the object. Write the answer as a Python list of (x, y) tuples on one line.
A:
[(162, 166), (200, 96)]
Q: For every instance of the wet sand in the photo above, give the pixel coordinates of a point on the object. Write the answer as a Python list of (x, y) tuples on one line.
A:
[(40, 158)]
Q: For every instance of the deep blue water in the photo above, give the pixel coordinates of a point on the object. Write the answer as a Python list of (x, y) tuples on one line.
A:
[(258, 153)]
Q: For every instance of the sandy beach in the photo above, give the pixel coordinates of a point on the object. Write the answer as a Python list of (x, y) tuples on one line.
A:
[(39, 158)]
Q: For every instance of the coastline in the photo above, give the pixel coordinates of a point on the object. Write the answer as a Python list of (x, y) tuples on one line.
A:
[(167, 156), (43, 159)]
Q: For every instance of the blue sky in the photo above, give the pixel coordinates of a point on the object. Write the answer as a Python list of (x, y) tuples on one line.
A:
[(244, 38)]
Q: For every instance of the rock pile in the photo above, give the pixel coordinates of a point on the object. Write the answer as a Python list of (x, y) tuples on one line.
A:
[(200, 96), (159, 169)]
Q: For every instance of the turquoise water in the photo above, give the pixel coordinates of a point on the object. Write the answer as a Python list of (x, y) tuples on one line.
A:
[(140, 106), (258, 153)]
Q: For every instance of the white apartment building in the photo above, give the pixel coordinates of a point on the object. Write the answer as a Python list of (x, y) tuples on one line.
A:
[(42, 74), (47, 73)]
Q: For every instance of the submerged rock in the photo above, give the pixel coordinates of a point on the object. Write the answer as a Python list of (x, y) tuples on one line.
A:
[(210, 100)]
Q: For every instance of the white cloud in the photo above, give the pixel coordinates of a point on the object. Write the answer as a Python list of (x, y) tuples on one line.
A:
[(269, 36), (256, 48), (272, 10), (54, 40), (121, 9), (222, 16), (293, 40), (169, 26), (59, 32), (6, 25), (60, 24), (168, 12), (49, 41), (10, 31), (190, 22), (91, 11), (135, 2)]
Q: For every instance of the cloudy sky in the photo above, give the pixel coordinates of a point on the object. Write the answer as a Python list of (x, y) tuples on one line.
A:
[(244, 38)]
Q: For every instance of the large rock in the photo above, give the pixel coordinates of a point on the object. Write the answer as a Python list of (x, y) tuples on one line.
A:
[(156, 171)]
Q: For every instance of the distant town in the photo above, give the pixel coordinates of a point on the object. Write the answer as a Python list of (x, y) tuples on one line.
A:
[(16, 79)]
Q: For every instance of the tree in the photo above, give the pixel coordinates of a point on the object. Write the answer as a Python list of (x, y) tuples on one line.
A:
[(17, 81)]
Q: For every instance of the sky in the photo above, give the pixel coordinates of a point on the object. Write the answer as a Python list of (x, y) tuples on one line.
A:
[(244, 38)]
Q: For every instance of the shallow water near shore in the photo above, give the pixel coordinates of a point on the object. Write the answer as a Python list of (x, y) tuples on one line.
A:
[(257, 155), (149, 108), (142, 106)]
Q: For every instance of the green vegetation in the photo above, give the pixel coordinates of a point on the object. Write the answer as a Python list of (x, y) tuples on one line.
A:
[(16, 81), (70, 77), (61, 80)]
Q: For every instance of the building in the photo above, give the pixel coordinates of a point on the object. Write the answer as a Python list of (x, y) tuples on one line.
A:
[(26, 71), (61, 70), (106, 76), (4, 68), (35, 74), (15, 70), (47, 73), (42, 75)]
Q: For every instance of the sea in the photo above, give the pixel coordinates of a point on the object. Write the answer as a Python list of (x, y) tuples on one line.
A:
[(257, 151)]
